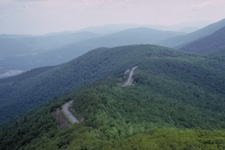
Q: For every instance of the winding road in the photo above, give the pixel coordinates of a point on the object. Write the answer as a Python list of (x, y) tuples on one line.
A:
[(130, 77), (68, 114)]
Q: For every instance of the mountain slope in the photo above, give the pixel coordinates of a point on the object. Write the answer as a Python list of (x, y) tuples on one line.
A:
[(115, 115), (170, 89), (28, 90), (112, 113), (126, 37), (208, 44), (183, 40)]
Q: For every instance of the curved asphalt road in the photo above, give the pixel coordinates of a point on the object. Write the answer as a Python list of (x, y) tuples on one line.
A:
[(71, 117), (130, 77), (68, 114)]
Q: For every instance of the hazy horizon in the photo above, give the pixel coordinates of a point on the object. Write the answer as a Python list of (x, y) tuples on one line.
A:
[(46, 16)]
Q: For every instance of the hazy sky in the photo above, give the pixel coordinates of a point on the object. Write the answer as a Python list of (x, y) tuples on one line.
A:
[(44, 16)]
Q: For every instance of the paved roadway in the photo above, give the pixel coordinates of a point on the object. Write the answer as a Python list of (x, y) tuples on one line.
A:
[(130, 77), (66, 106), (68, 114)]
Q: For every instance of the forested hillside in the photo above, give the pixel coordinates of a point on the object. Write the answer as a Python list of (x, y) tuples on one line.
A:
[(24, 92), (208, 44), (170, 89), (138, 116)]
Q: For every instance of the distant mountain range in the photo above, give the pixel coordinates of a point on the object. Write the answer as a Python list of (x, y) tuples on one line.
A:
[(20, 52), (23, 52), (51, 41), (183, 40), (186, 27), (210, 43), (58, 48), (126, 37)]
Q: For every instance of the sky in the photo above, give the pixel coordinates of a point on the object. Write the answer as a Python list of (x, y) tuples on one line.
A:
[(45, 16)]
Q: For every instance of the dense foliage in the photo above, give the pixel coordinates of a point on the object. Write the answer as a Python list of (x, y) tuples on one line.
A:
[(23, 129), (173, 139), (171, 90), (113, 116), (113, 113), (24, 92)]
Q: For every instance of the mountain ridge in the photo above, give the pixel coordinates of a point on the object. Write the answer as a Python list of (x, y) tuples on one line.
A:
[(33, 88), (171, 89), (181, 41), (207, 44), (125, 37)]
